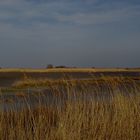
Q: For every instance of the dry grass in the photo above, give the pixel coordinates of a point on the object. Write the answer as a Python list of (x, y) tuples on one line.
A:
[(93, 81), (71, 70), (115, 119)]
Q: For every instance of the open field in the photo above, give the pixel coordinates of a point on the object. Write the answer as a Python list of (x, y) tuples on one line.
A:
[(71, 70), (72, 104)]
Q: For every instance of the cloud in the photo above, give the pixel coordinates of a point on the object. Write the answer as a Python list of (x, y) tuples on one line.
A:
[(30, 12), (99, 17)]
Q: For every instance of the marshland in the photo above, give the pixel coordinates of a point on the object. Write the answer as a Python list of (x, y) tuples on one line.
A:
[(70, 104), (69, 70)]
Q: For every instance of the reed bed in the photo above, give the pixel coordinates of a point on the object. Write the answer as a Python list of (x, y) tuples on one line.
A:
[(66, 81), (94, 119)]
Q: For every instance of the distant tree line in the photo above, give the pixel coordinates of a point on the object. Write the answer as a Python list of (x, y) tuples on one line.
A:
[(50, 66)]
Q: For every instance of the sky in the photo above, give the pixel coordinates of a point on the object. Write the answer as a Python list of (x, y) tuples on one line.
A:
[(82, 33)]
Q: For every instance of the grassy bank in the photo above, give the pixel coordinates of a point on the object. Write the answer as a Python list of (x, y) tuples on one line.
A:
[(110, 81), (71, 70)]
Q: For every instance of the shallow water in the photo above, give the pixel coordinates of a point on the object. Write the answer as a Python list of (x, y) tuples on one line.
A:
[(30, 98), (33, 97)]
